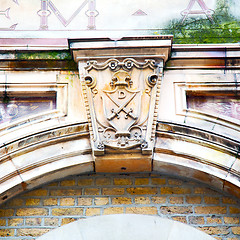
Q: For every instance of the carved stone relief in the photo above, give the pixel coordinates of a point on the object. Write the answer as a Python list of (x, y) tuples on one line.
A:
[(121, 98)]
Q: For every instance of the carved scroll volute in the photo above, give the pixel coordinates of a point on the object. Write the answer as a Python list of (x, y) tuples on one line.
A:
[(121, 99)]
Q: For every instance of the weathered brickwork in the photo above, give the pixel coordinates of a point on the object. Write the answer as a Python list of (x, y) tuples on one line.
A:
[(38, 211)]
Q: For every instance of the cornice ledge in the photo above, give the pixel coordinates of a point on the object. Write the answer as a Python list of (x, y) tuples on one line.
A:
[(126, 47)]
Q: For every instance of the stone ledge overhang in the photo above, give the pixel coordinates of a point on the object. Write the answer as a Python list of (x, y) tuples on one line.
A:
[(204, 56), (145, 46), (19, 53)]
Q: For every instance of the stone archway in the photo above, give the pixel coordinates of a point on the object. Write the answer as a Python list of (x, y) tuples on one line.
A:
[(126, 226)]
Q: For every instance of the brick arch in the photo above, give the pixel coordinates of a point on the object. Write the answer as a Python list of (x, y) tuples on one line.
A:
[(33, 213), (126, 226)]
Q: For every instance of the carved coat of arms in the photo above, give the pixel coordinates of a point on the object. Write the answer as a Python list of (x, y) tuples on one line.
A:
[(122, 109), (121, 100)]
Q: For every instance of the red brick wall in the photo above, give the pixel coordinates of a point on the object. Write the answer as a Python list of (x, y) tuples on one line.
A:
[(36, 212)]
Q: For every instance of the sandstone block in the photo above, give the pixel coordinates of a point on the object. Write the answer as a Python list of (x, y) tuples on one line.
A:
[(122, 181), (84, 201), (101, 201), (176, 210), (142, 210), (113, 210), (93, 211), (31, 212), (210, 210), (141, 181), (113, 191), (67, 211), (103, 181), (141, 190)]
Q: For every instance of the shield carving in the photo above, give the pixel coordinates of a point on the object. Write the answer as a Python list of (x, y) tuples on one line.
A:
[(121, 107)]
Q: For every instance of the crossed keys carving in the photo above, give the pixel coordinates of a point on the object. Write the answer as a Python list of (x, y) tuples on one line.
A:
[(122, 107)]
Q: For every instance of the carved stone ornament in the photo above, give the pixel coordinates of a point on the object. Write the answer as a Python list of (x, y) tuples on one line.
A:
[(121, 97), (121, 81)]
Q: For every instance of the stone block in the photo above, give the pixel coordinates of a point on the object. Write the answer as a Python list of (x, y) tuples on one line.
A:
[(113, 210), (67, 202), (175, 190), (141, 190), (180, 219), (6, 212), (193, 199), (159, 200), (3, 222), (236, 230), (228, 200), (16, 202), (196, 220), (214, 220), (103, 181), (91, 191), (50, 202), (68, 183), (122, 181), (93, 211), (51, 222), (176, 210), (32, 201), (142, 200), (175, 182), (234, 210), (142, 210), (67, 211), (33, 221), (210, 210), (141, 181), (66, 192), (32, 232), (67, 220), (176, 200), (113, 191), (211, 200), (121, 200), (215, 230), (101, 201), (32, 212), (85, 182), (231, 220), (158, 181), (15, 222), (7, 233), (82, 201), (36, 193)]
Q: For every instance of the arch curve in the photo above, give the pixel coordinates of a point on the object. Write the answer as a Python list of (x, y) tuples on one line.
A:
[(59, 151), (128, 227)]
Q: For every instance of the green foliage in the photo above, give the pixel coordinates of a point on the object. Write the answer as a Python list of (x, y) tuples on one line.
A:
[(47, 55), (224, 29)]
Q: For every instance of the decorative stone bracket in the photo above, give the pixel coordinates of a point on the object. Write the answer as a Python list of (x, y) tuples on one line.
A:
[(121, 83)]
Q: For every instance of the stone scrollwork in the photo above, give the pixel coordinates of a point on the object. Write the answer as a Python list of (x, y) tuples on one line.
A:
[(115, 65), (121, 98)]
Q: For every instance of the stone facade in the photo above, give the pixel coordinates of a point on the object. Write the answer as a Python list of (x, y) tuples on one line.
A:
[(183, 123), (36, 212)]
